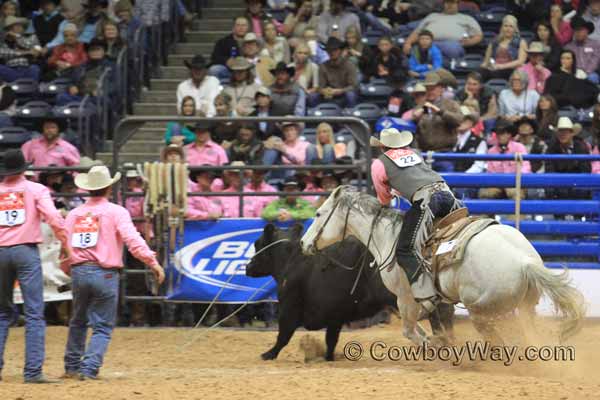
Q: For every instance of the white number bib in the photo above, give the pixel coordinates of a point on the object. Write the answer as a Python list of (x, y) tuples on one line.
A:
[(85, 232), (12, 208), (403, 157)]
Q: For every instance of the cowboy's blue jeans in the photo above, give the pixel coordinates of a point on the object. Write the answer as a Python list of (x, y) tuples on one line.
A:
[(22, 263), (95, 298)]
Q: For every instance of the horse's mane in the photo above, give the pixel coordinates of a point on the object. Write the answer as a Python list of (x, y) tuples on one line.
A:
[(350, 198)]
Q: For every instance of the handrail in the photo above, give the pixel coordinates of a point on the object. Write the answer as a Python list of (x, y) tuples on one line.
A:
[(123, 66), (102, 93), (83, 122)]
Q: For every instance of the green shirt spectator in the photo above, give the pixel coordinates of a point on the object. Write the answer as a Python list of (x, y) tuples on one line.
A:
[(289, 207)]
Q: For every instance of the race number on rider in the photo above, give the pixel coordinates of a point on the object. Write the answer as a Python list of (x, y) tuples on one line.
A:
[(85, 232), (12, 208), (403, 157)]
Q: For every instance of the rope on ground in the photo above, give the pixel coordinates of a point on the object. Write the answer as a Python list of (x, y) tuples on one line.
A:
[(519, 161)]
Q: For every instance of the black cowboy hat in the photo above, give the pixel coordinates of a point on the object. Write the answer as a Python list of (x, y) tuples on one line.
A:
[(198, 62), (61, 123), (94, 43), (578, 22), (12, 162), (505, 126), (44, 175), (281, 66), (90, 3), (292, 181), (212, 173), (201, 126), (526, 120), (334, 43)]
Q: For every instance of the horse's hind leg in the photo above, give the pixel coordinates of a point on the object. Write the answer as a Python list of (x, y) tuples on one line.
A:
[(486, 327)]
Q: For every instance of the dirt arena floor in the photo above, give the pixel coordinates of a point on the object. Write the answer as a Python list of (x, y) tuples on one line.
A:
[(224, 364)]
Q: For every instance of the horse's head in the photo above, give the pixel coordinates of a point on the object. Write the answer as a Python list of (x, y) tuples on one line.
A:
[(272, 249), (328, 225)]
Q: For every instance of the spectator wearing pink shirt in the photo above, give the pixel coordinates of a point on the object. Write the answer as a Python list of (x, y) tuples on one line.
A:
[(291, 151), (505, 133), (258, 18), (535, 70), (50, 148), (200, 207), (204, 150), (233, 183), (254, 205)]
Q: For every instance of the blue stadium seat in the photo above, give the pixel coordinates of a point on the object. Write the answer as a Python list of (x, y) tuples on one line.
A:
[(30, 114), (55, 87), (13, 137), (343, 136), (568, 111), (470, 62), (25, 89), (491, 19), (527, 36), (325, 110), (497, 84), (309, 135), (371, 37), (375, 88), (366, 111)]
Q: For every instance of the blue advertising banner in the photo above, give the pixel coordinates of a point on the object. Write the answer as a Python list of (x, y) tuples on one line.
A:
[(213, 258)]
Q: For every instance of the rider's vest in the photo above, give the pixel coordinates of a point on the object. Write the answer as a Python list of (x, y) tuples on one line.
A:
[(407, 172)]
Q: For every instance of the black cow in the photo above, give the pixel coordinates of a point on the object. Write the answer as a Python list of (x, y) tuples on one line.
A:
[(313, 291)]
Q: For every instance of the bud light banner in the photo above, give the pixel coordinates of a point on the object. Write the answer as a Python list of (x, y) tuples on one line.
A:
[(213, 259)]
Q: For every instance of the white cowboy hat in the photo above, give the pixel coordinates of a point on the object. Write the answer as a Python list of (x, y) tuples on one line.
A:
[(565, 123), (392, 138), (97, 178)]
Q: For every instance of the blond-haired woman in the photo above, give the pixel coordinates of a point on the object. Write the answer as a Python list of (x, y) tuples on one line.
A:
[(505, 53), (307, 72), (275, 46), (325, 149)]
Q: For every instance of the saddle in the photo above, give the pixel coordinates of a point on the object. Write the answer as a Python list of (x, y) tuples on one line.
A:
[(448, 241)]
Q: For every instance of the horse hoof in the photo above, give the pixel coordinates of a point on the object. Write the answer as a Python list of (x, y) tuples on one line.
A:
[(268, 356)]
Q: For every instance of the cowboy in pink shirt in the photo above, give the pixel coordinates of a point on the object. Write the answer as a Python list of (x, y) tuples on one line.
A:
[(595, 164), (204, 150), (97, 232), (50, 148), (233, 182), (200, 207), (505, 145), (254, 205), (23, 205), (535, 70)]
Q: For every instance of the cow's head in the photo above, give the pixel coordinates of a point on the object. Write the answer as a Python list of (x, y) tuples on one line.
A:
[(273, 249)]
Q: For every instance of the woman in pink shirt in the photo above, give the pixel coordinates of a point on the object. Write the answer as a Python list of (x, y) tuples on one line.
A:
[(562, 29), (201, 207)]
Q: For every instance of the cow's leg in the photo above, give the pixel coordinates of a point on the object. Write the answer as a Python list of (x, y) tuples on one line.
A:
[(331, 338), (289, 321), (442, 323)]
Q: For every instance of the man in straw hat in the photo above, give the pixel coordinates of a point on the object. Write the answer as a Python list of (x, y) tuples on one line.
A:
[(24, 204), (97, 231), (401, 171), (535, 70), (17, 49), (202, 87)]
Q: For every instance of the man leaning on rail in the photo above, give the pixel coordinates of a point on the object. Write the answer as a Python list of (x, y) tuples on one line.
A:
[(401, 171)]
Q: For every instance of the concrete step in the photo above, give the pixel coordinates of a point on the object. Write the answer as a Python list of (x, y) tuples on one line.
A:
[(204, 36), (194, 48), (220, 24), (159, 96), (176, 60), (154, 109), (150, 134), (143, 146), (165, 84), (175, 72), (214, 13)]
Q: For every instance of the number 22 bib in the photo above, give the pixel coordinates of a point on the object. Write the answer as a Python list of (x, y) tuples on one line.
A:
[(403, 157), (85, 232), (12, 208)]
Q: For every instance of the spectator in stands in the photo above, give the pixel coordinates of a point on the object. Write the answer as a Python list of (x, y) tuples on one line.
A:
[(172, 154), (246, 147), (567, 141), (50, 148), (592, 14), (419, 96), (47, 22), (505, 53), (53, 181), (178, 134), (95, 14), (9, 8), (258, 18), (469, 143), (325, 147), (338, 78), (505, 133), (536, 72), (546, 117), (527, 129), (227, 48), (152, 12), (287, 97), (484, 95), (264, 108), (204, 150), (552, 48), (438, 121), (517, 101), (307, 72), (567, 86), (201, 207), (8, 104), (289, 207), (112, 38), (275, 46), (224, 130), (317, 54), (297, 22), (128, 23), (452, 30), (336, 21), (242, 88), (67, 57), (232, 178), (311, 181), (201, 86), (424, 56), (399, 101), (561, 28), (16, 51), (251, 48), (587, 50), (91, 71), (291, 151), (356, 51), (254, 205), (387, 59)]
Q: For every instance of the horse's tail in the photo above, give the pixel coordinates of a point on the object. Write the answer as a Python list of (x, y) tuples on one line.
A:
[(567, 300)]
